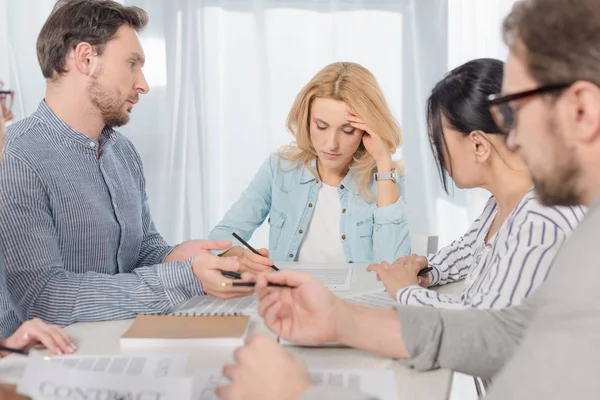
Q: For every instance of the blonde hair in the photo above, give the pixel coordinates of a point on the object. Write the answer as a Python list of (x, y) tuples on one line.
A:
[(357, 87)]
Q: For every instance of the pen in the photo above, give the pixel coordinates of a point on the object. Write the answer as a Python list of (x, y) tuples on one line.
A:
[(235, 235), (424, 271), (251, 284), (231, 274), (11, 350)]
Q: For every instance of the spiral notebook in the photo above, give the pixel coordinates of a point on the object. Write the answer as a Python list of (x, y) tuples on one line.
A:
[(186, 329)]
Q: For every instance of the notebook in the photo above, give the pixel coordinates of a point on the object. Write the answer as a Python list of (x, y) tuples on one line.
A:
[(186, 330)]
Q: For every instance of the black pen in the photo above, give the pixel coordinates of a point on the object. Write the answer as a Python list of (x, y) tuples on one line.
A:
[(231, 274), (235, 235), (424, 271), (11, 350), (252, 284)]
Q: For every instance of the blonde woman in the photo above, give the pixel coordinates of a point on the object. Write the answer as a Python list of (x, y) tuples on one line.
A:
[(334, 194)]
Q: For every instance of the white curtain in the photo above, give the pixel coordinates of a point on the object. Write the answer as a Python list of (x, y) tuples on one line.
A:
[(223, 75)]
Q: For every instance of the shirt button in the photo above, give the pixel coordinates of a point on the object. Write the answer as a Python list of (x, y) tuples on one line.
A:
[(269, 220), (301, 231), (291, 256), (309, 204), (350, 262), (114, 204), (343, 237), (342, 187), (344, 211), (92, 145)]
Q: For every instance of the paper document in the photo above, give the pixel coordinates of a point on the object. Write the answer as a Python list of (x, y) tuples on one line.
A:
[(375, 298), (49, 380), (207, 305), (378, 383), (152, 366), (333, 276)]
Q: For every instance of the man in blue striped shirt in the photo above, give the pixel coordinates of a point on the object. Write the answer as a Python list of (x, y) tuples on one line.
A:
[(76, 232)]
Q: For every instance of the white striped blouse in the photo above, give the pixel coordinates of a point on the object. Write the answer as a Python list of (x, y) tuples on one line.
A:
[(514, 262)]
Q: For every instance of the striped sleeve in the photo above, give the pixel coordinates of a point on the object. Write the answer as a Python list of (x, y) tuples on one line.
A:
[(524, 265), (418, 296), (154, 249), (452, 263), (38, 282)]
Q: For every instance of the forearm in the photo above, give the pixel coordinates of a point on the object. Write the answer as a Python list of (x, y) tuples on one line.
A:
[(415, 295), (475, 342), (97, 297), (370, 329), (155, 250), (391, 237)]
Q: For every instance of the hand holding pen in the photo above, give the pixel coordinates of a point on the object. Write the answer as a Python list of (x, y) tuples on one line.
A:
[(254, 260)]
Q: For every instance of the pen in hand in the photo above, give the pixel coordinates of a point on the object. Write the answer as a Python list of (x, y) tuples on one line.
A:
[(252, 284), (424, 271), (252, 249), (11, 350), (231, 274)]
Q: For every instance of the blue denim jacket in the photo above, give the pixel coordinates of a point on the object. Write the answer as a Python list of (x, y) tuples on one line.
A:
[(288, 193)]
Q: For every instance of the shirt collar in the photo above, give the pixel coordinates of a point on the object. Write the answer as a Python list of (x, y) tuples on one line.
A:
[(45, 114), (308, 175)]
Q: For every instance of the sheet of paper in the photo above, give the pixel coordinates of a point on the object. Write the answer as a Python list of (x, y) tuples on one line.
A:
[(375, 298), (333, 276), (50, 380), (378, 383), (213, 305), (150, 365)]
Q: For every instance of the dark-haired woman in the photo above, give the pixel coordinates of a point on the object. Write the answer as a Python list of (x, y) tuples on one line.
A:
[(509, 249)]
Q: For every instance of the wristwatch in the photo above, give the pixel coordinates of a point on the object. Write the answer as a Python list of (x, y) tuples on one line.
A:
[(386, 176)]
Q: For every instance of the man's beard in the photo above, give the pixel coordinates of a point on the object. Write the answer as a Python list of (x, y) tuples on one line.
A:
[(560, 187), (109, 104)]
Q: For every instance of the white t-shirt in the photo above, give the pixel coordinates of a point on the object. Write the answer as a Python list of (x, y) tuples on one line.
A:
[(322, 242)]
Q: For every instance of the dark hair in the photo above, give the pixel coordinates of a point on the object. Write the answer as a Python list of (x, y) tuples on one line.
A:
[(75, 21), (561, 47), (462, 98)]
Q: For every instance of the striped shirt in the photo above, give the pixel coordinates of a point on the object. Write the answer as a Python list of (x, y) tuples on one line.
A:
[(76, 234), (506, 269)]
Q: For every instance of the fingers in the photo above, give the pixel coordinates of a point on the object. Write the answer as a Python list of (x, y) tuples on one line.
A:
[(249, 277), (271, 315), (50, 336), (268, 301), (62, 338), (288, 278), (371, 267), (361, 126), (264, 252), (215, 244), (224, 392), (229, 371), (231, 264), (257, 262)]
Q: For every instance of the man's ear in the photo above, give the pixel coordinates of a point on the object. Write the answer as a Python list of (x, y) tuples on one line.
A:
[(83, 58), (583, 111)]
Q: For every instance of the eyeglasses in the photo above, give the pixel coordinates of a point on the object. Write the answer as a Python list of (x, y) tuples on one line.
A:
[(504, 113), (6, 99)]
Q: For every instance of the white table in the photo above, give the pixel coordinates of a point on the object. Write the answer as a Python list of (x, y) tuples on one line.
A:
[(103, 338)]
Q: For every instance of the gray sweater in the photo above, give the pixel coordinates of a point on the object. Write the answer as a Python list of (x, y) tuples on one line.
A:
[(548, 347)]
